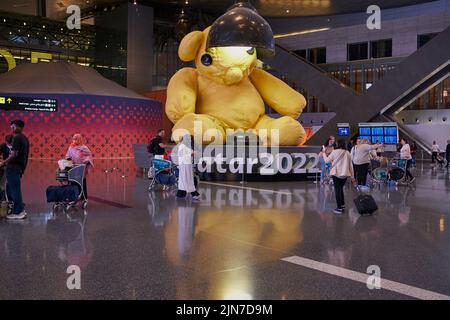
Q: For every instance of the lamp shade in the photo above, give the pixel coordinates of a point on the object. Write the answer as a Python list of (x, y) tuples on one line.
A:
[(242, 26)]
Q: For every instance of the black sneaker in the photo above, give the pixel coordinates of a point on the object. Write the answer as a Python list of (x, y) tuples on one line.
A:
[(338, 211)]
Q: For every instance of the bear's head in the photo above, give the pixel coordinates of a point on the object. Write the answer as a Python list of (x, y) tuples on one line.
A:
[(225, 65)]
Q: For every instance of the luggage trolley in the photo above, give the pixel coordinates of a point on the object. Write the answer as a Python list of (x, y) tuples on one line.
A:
[(397, 170), (441, 159), (164, 173), (73, 176), (379, 173)]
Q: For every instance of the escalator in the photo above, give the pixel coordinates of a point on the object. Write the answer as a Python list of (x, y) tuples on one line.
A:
[(410, 79)]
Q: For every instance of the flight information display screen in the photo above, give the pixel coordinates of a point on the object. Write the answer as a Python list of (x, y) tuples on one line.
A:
[(343, 131), (390, 131), (364, 131), (379, 134), (28, 104), (377, 131)]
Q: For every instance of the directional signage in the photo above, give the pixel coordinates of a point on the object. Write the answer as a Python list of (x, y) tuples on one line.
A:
[(28, 104)]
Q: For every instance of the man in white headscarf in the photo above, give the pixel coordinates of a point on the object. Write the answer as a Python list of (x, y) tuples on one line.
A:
[(186, 169)]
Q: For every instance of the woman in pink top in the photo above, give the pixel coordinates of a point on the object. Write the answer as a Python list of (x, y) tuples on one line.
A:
[(79, 153)]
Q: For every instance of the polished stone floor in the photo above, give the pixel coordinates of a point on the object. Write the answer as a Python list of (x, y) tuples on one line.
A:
[(132, 244)]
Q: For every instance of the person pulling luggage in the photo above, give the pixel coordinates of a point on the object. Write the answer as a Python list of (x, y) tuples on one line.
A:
[(341, 169)]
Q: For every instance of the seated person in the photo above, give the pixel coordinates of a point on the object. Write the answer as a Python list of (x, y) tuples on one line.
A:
[(166, 178), (5, 149)]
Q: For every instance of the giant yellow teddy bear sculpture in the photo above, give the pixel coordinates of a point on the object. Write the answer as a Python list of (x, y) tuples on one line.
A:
[(227, 91)]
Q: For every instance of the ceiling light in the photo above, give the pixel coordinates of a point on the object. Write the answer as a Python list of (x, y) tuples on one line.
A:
[(300, 32), (287, 10), (242, 26)]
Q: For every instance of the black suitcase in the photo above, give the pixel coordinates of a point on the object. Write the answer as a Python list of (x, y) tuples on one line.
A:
[(365, 204), (67, 193)]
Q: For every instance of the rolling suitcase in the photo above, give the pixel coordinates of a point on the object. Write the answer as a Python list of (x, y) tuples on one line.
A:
[(365, 204), (67, 193)]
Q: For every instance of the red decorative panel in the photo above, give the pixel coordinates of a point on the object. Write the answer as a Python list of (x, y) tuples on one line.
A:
[(110, 125)]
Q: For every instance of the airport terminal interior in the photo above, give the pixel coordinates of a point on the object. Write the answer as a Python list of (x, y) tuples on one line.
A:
[(201, 150)]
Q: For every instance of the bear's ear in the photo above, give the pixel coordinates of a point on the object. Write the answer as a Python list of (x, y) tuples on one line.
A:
[(187, 51)]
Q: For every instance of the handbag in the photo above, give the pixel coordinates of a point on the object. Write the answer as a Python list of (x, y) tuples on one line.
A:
[(337, 160), (6, 208)]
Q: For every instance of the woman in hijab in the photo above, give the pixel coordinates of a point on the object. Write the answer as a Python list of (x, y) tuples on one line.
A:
[(79, 153), (186, 169)]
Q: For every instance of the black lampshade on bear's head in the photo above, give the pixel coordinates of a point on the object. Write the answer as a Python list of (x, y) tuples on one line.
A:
[(242, 26)]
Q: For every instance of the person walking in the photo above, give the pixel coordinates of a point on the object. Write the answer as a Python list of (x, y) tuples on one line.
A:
[(186, 183), (447, 153), (413, 153), (434, 152), (16, 163), (405, 153), (341, 169)]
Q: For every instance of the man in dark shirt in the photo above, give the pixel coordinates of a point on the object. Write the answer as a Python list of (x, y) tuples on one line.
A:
[(156, 146), (447, 153), (16, 163)]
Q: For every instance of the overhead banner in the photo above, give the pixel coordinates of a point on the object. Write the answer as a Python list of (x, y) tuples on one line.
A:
[(28, 104)]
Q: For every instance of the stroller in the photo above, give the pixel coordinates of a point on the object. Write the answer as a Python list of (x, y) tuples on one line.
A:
[(441, 159), (164, 173), (377, 174), (70, 192), (397, 170)]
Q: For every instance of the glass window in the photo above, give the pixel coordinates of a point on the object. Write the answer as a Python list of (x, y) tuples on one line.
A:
[(357, 51), (381, 49), (301, 53), (317, 55), (422, 39)]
